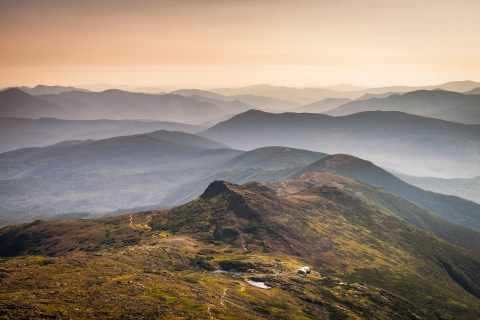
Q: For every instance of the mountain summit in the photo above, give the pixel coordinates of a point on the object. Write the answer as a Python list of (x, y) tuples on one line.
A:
[(216, 188)]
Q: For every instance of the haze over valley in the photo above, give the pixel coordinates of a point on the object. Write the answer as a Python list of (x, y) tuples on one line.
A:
[(239, 160), (73, 153)]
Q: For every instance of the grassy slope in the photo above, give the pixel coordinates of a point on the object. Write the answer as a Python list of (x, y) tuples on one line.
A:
[(370, 264), (454, 209), (398, 207)]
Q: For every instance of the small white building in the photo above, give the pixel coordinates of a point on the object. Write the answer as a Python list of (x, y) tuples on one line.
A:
[(304, 270)]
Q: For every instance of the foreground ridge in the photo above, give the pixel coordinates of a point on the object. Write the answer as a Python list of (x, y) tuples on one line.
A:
[(365, 261)]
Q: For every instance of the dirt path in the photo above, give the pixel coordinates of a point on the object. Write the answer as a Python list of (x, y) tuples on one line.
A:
[(224, 297), (131, 220)]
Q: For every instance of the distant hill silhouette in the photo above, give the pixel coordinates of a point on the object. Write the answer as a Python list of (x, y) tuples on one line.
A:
[(273, 158), (262, 164), (323, 105), (446, 105), (117, 104), (257, 101), (43, 89), (16, 133), (229, 107), (473, 91), (465, 188), (408, 143), (102, 175), (298, 95), (16, 103), (311, 95)]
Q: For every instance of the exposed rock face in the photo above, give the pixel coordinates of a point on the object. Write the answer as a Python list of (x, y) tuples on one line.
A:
[(214, 189)]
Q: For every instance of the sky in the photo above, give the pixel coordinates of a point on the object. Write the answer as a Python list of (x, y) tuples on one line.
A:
[(218, 43)]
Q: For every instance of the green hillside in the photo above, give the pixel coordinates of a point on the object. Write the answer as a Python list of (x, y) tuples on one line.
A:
[(367, 263)]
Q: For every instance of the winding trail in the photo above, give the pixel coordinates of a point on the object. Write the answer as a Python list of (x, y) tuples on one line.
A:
[(209, 312), (243, 243), (224, 297), (131, 220)]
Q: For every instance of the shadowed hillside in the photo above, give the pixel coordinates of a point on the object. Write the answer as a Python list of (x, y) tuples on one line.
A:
[(453, 209)]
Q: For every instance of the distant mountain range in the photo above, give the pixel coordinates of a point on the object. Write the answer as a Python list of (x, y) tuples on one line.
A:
[(102, 175), (311, 95), (473, 91), (117, 104), (262, 164), (122, 172), (230, 107), (168, 168), (256, 214), (465, 188), (273, 158), (323, 105), (197, 106), (411, 144), (16, 103), (110, 104), (130, 154), (16, 133), (297, 95), (260, 102), (43, 89), (446, 105)]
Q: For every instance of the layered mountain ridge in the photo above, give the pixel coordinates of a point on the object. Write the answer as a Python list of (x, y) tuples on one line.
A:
[(446, 105), (434, 147), (256, 213)]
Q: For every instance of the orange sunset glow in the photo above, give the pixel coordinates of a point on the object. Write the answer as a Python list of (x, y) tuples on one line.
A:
[(211, 43)]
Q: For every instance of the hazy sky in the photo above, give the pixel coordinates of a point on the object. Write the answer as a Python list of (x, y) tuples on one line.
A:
[(206, 43)]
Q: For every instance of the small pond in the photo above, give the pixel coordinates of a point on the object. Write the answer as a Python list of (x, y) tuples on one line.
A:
[(258, 284)]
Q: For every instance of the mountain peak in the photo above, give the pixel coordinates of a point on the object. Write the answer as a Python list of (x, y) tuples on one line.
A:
[(115, 91), (215, 188), (333, 162), (14, 92), (352, 167), (340, 159), (255, 111)]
